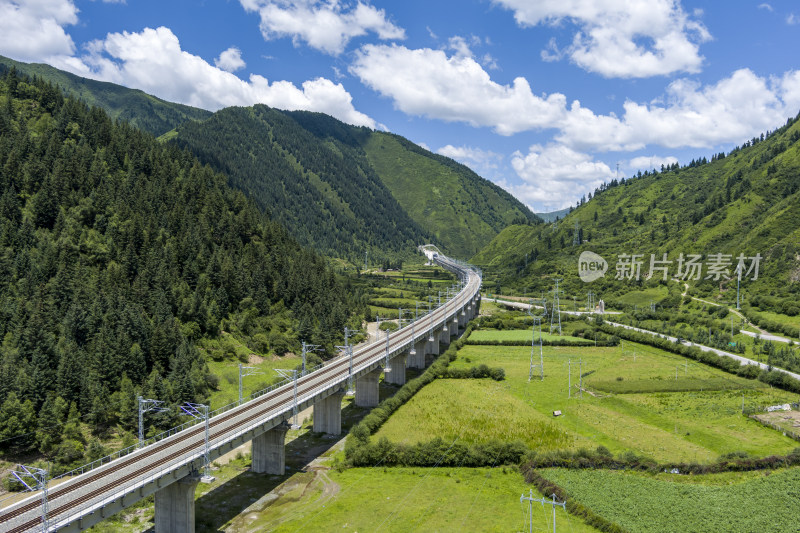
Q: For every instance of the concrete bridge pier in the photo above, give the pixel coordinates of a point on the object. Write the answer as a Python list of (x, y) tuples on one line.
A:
[(367, 389), (269, 451), (432, 344), (175, 506), (454, 326), (397, 375), (462, 320), (444, 335), (417, 360), (328, 414)]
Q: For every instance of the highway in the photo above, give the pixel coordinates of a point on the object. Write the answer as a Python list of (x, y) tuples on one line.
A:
[(742, 360), (124, 481)]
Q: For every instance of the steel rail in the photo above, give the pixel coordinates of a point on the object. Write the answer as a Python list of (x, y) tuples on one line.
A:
[(228, 425)]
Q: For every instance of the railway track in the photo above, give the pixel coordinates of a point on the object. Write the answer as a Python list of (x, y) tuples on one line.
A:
[(71, 499)]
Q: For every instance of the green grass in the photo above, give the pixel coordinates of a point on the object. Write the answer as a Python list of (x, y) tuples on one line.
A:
[(473, 411), (675, 426), (520, 335), (228, 372), (644, 297), (753, 502), (405, 499)]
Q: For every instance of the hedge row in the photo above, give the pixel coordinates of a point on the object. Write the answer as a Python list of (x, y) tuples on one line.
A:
[(555, 342), (436, 453), (476, 372), (573, 507), (360, 433), (601, 458), (728, 364)]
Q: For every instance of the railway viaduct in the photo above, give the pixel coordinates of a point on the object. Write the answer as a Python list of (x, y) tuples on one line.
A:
[(170, 466)]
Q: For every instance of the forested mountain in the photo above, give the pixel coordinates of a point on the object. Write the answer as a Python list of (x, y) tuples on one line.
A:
[(325, 192), (339, 188), (144, 111), (744, 202), (117, 254)]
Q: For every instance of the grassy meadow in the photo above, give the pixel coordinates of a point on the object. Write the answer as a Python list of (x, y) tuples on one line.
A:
[(696, 417)]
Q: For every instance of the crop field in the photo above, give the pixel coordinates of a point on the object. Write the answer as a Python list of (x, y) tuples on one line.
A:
[(740, 502), (521, 335), (473, 411), (687, 424), (403, 499)]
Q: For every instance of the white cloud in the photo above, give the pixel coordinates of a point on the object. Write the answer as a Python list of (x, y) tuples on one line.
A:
[(230, 60), (554, 175), (651, 162), (325, 25), (792, 19), (456, 89), (475, 158), (427, 82), (620, 38), (33, 30), (766, 6), (153, 61), (697, 116)]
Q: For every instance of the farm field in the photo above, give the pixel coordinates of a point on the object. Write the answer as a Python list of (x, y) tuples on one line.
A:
[(405, 499), (521, 335), (740, 502), (686, 424)]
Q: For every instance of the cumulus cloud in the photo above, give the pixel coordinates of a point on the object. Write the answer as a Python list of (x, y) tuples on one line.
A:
[(34, 30), (553, 174), (651, 162), (325, 25), (469, 155), (152, 60), (731, 110), (230, 60), (792, 19), (620, 38), (428, 83)]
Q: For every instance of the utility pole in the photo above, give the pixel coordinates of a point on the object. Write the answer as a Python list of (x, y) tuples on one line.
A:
[(313, 348), (39, 477), (245, 371), (590, 305), (537, 321), (738, 279), (580, 377), (200, 412), (543, 501), (146, 406), (569, 378), (293, 374), (556, 306), (387, 367), (366, 254)]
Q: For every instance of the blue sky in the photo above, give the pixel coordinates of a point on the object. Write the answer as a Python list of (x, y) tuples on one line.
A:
[(544, 97)]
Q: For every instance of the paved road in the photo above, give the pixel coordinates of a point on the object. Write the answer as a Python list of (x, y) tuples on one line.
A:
[(742, 360)]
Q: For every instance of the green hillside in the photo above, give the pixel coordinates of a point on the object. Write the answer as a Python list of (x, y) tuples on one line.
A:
[(122, 259), (744, 202), (339, 188), (144, 111), (324, 191), (462, 210), (345, 189)]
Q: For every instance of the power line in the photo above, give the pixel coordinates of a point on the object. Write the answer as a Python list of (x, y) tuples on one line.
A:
[(530, 499)]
